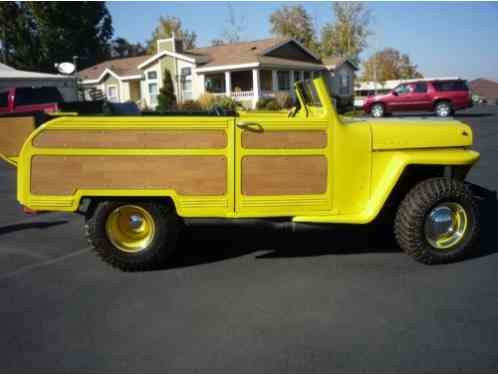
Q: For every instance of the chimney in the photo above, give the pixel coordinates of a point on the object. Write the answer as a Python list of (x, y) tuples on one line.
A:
[(171, 45)]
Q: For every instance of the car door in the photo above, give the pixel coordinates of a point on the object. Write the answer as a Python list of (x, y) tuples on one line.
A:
[(282, 165), (420, 99), (400, 98)]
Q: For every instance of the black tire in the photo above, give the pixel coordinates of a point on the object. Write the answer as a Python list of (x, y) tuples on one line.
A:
[(154, 255), (409, 224), (443, 109), (377, 110)]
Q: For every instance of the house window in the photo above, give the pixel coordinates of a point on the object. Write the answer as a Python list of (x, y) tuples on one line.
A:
[(215, 83), (186, 71), (153, 93), (297, 76), (344, 83), (112, 93), (266, 78), (307, 75), (187, 89), (283, 80), (152, 75)]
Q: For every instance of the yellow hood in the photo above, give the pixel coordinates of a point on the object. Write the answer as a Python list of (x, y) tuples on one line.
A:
[(392, 134)]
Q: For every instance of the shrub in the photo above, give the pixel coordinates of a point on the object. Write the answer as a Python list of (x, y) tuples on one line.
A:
[(273, 105), (166, 100), (261, 103), (206, 101), (227, 103), (190, 105), (284, 100)]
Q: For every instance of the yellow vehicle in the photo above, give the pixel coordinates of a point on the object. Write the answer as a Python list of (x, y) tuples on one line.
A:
[(137, 178)]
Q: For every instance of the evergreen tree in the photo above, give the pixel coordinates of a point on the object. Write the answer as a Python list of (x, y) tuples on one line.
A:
[(166, 100)]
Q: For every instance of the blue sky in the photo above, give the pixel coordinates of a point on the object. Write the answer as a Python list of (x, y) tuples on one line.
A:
[(443, 39)]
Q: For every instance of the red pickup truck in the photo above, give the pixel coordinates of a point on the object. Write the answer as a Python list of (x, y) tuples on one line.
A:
[(30, 99), (443, 97)]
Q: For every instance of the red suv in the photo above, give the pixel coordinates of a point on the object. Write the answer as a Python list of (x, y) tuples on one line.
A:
[(443, 97), (30, 99)]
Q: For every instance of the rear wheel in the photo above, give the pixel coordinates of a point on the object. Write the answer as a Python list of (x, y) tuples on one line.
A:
[(437, 221), (132, 236), (377, 110), (443, 109)]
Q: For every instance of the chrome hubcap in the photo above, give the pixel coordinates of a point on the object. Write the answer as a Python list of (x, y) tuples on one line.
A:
[(443, 110), (446, 225), (377, 111)]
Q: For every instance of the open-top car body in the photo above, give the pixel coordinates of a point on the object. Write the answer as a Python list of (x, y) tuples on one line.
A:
[(138, 178)]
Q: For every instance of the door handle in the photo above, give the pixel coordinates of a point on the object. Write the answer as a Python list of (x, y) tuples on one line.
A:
[(250, 126)]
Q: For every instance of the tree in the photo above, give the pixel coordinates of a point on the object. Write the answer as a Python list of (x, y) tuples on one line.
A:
[(234, 27), (347, 37), (121, 47), (18, 35), (294, 22), (389, 64), (166, 99), (64, 30), (166, 28)]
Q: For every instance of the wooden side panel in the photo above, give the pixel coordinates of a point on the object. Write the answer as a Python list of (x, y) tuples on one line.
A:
[(284, 175), (187, 175), (13, 133), (285, 139), (119, 139)]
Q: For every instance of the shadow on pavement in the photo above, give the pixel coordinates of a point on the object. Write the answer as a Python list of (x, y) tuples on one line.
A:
[(36, 225), (208, 244)]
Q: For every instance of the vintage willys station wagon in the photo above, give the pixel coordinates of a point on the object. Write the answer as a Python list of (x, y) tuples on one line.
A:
[(137, 178)]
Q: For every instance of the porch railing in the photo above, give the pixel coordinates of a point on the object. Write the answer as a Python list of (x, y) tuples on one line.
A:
[(242, 94)]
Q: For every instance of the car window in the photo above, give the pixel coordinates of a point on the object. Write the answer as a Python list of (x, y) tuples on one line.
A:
[(451, 86), (4, 99), (40, 95), (421, 87), (403, 89), (310, 95)]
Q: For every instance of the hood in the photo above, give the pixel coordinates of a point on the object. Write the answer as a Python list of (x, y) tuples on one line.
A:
[(394, 134)]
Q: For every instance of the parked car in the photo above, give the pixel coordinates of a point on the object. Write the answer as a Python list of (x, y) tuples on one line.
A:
[(138, 179), (441, 97), (30, 99)]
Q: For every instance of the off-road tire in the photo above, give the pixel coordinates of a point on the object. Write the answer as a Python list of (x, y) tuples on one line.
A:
[(412, 213), (163, 244)]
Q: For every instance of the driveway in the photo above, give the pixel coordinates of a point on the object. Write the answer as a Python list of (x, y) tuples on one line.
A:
[(249, 301)]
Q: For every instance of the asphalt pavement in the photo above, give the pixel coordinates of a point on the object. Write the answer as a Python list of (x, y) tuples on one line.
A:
[(241, 300)]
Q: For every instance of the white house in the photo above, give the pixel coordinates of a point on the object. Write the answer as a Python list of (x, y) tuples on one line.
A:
[(245, 71)]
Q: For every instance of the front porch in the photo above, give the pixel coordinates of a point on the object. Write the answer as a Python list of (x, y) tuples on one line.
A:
[(252, 85)]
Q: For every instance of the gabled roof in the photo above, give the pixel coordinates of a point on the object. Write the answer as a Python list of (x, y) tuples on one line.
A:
[(333, 62), (484, 87), (244, 53), (125, 67)]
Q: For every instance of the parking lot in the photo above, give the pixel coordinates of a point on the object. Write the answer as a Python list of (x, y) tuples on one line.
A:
[(240, 300)]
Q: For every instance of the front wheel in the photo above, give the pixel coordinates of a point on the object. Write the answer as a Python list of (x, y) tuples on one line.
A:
[(135, 235), (437, 221)]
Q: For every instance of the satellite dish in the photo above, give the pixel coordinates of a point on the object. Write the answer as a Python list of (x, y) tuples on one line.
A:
[(66, 68)]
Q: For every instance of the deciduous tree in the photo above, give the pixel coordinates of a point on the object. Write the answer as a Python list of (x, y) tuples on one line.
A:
[(389, 64), (347, 36), (294, 22), (120, 47)]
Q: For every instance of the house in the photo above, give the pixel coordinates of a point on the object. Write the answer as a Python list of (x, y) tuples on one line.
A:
[(485, 90), (245, 71), (10, 77)]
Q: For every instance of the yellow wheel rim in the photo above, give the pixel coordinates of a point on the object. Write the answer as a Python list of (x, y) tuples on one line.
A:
[(446, 226), (130, 228)]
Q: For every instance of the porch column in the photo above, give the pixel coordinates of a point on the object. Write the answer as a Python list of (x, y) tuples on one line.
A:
[(301, 75), (256, 87), (291, 81), (274, 80), (228, 84)]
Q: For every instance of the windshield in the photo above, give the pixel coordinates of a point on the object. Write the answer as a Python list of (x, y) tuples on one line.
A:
[(310, 96)]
